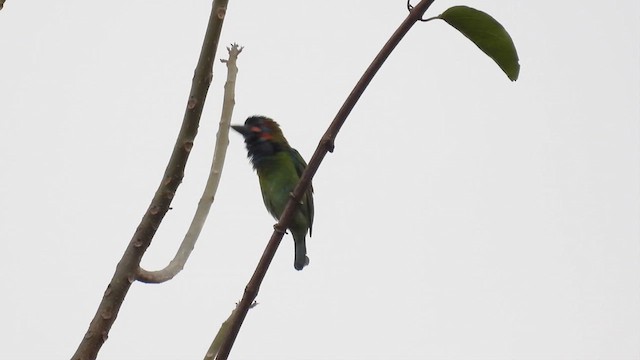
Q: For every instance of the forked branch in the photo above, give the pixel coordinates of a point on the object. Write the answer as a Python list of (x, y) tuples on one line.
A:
[(206, 200), (125, 273)]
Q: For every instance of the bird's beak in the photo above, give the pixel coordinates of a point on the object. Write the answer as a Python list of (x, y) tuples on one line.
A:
[(241, 129)]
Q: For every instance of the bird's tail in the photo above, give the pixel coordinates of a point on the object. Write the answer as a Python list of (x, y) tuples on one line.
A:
[(301, 259)]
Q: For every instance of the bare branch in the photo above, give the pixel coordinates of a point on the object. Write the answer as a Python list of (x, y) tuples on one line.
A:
[(125, 272), (326, 144), (223, 333), (204, 205)]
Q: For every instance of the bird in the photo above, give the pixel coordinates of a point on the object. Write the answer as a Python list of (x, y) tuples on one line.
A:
[(279, 167)]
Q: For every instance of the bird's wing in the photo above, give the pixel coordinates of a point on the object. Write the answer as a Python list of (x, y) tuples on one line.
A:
[(307, 200)]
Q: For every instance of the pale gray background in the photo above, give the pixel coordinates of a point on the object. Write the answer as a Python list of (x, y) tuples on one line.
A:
[(462, 216)]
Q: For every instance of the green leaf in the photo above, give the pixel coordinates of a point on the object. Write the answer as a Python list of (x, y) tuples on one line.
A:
[(487, 34)]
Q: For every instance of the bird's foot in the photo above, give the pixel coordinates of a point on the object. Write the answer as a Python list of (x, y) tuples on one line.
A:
[(278, 229), (299, 202)]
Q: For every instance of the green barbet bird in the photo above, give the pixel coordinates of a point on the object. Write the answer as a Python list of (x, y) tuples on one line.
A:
[(279, 167)]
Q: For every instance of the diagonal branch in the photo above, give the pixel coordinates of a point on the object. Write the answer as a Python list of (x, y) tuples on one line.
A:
[(125, 272), (222, 334), (204, 205), (326, 145)]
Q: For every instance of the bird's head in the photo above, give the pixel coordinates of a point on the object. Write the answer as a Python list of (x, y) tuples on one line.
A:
[(262, 136)]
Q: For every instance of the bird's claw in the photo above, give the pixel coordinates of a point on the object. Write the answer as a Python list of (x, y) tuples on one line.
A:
[(278, 229), (299, 202)]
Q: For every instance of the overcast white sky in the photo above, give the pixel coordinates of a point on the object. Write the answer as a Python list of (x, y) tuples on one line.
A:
[(461, 216)]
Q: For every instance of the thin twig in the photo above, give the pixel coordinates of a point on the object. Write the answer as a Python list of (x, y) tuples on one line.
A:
[(326, 144), (204, 205), (125, 272), (223, 333)]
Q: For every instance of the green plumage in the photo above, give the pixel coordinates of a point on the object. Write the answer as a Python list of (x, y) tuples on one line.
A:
[(279, 167)]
